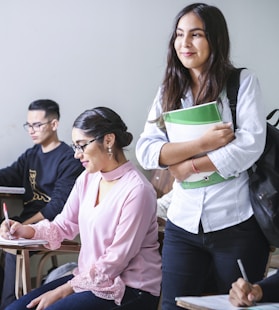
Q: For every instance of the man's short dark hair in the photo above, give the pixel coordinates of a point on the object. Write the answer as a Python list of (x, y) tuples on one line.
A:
[(50, 107)]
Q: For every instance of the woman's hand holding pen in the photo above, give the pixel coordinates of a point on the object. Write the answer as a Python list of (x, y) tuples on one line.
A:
[(244, 293), (5, 229), (16, 230)]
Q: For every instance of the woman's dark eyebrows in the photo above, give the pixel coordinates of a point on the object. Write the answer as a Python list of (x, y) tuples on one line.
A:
[(197, 28), (191, 30)]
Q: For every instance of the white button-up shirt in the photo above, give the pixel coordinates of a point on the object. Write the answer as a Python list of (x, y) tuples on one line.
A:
[(227, 203)]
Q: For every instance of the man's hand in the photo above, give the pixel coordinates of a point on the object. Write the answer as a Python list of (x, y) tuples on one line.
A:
[(243, 293)]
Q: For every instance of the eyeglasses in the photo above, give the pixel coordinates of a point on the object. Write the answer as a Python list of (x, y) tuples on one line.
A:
[(80, 148), (34, 126)]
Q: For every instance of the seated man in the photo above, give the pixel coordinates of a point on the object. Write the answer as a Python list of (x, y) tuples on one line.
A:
[(47, 171), (243, 293)]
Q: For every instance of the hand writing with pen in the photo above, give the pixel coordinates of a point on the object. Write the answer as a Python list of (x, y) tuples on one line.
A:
[(244, 293), (6, 232), (17, 230), (12, 230)]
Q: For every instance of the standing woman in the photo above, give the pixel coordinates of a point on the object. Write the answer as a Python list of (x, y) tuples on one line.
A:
[(211, 225), (113, 208)]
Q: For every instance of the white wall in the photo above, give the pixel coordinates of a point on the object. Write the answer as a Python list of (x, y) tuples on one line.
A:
[(86, 53)]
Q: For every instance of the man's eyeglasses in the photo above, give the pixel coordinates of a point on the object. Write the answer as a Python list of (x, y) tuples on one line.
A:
[(35, 126), (80, 148)]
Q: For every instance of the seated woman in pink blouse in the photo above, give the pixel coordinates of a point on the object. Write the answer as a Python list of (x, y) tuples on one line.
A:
[(113, 208)]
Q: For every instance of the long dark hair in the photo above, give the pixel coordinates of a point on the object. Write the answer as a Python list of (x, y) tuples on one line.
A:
[(214, 77), (99, 121)]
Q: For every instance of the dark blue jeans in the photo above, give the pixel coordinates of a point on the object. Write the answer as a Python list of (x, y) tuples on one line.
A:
[(8, 291), (187, 259), (1, 272), (133, 299)]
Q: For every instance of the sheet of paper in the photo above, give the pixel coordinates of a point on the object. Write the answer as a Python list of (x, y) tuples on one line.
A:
[(21, 242), (218, 302)]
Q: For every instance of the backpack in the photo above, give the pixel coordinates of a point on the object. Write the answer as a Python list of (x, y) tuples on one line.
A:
[(60, 272), (264, 174)]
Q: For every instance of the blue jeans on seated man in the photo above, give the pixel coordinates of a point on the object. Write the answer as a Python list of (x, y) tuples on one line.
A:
[(133, 299), (8, 291), (1, 275)]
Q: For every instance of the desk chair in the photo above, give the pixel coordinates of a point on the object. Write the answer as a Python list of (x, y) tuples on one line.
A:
[(274, 261), (162, 181)]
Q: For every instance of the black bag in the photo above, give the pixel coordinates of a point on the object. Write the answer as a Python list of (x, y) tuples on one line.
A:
[(264, 174)]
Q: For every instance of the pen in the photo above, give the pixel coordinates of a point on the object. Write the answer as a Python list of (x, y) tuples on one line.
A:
[(6, 218), (244, 275), (242, 270)]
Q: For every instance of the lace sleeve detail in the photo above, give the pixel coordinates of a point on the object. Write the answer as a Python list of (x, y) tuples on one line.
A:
[(47, 231), (100, 284)]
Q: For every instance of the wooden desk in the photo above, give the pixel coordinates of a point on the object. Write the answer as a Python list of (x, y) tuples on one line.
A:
[(23, 278), (11, 192)]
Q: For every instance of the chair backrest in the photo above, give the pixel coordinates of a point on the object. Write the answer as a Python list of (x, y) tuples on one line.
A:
[(162, 181)]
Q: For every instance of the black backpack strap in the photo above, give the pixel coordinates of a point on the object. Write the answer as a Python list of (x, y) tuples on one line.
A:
[(271, 114), (232, 91)]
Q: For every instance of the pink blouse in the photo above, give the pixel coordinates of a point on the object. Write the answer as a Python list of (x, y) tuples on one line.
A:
[(119, 244)]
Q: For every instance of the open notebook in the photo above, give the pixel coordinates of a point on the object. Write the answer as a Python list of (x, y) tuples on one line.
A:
[(21, 241)]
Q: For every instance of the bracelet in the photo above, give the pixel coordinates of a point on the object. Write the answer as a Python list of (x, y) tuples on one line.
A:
[(195, 169)]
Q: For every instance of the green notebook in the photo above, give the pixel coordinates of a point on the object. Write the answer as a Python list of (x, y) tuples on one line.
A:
[(189, 124)]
